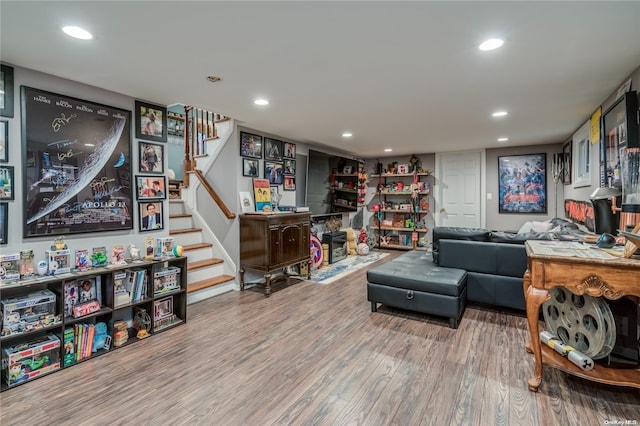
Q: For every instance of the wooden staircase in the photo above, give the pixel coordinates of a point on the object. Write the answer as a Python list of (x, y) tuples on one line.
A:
[(204, 271)]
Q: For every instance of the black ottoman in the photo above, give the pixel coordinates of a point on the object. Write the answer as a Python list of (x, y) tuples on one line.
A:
[(416, 284)]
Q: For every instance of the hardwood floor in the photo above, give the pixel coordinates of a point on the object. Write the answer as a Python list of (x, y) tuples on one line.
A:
[(316, 354)]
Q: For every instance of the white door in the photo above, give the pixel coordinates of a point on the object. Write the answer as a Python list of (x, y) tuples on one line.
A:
[(459, 183)]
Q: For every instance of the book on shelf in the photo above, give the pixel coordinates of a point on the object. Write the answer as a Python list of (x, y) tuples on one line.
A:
[(68, 358), (137, 284)]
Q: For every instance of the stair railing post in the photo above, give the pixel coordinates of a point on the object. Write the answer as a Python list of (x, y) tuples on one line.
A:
[(186, 163)]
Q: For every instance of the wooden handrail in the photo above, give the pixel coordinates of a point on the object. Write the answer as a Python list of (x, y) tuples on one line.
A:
[(228, 213)]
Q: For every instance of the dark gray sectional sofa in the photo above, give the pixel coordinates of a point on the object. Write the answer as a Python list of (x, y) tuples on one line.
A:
[(468, 264)]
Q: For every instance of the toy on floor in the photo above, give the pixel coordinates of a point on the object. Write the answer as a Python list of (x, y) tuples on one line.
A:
[(362, 238), (352, 245)]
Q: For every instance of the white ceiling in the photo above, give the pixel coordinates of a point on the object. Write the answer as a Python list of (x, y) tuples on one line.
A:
[(406, 75)]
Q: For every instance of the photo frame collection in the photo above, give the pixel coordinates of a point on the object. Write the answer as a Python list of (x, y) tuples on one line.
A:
[(279, 159), (522, 183), (152, 126)]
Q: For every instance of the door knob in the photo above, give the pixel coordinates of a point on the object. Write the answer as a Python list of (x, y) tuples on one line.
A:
[(443, 210)]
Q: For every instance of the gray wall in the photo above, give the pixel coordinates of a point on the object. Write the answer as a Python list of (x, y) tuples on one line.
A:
[(38, 80)]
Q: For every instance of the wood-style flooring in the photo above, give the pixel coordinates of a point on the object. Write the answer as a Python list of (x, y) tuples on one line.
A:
[(315, 354)]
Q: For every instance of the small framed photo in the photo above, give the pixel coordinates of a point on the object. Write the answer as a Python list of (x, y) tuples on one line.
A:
[(4, 223), (151, 216), (274, 195), (151, 157), (6, 91), (151, 188), (250, 145), (566, 163), (7, 188), (151, 122), (250, 167), (289, 150), (289, 167), (273, 172), (163, 308), (4, 141), (289, 183), (272, 149)]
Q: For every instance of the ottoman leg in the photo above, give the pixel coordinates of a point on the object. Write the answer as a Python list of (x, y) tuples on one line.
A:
[(374, 306)]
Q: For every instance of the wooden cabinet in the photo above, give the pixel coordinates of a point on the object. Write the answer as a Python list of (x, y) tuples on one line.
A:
[(39, 315), (400, 220), (273, 241)]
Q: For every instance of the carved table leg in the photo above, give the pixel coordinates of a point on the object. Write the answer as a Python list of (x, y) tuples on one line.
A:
[(535, 297), (241, 279), (267, 285)]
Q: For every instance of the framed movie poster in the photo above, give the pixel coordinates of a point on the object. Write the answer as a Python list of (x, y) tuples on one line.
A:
[(522, 183), (262, 195), (151, 122), (77, 168)]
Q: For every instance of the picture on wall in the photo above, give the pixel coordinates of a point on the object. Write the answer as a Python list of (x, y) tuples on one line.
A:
[(151, 187), (289, 150), (4, 223), (619, 126), (289, 167), (250, 145), (272, 149), (77, 173), (522, 183), (151, 122), (150, 215), (273, 172), (250, 167), (7, 187), (289, 183), (151, 157), (566, 163), (6, 91), (4, 141), (262, 195)]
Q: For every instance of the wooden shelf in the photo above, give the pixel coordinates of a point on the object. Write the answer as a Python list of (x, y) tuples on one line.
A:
[(387, 175)]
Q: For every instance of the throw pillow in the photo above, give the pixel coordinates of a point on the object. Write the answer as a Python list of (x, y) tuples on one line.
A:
[(541, 226), (526, 228)]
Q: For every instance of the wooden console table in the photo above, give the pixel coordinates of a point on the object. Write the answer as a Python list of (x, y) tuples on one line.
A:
[(610, 278), (273, 241)]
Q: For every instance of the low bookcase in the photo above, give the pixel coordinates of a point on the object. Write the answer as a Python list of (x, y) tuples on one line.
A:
[(54, 322)]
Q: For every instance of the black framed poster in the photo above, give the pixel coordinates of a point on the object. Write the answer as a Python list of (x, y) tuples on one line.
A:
[(77, 165)]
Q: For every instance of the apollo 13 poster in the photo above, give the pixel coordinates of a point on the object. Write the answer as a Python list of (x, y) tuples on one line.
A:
[(77, 162)]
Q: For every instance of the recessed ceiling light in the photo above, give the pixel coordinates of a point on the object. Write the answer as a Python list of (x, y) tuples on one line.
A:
[(499, 114), (89, 144), (388, 150), (492, 43), (77, 32), (261, 102), (503, 139), (347, 134)]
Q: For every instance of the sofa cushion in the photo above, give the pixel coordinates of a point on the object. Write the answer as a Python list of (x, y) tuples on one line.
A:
[(469, 255), (495, 290), (511, 260), (423, 276), (414, 256), (456, 233)]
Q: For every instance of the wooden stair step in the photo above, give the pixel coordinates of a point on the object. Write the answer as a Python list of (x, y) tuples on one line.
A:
[(196, 246), (178, 216), (203, 264), (210, 282), (184, 231)]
